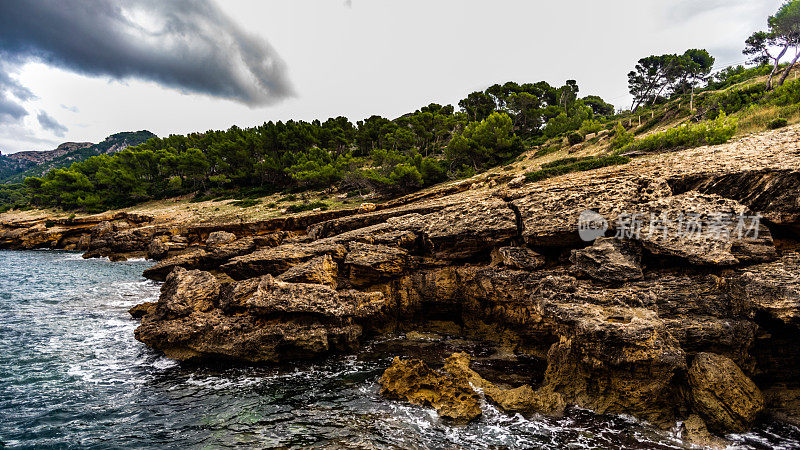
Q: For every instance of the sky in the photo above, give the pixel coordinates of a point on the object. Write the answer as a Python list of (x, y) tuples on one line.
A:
[(80, 70)]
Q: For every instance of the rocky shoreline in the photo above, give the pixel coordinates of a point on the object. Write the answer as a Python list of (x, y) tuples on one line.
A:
[(701, 330)]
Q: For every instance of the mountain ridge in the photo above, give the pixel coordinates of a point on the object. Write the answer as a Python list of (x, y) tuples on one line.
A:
[(15, 167)]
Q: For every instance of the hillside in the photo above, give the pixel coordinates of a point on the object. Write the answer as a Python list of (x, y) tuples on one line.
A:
[(14, 168)]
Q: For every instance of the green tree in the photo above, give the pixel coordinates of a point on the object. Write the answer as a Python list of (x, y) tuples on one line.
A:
[(484, 143)]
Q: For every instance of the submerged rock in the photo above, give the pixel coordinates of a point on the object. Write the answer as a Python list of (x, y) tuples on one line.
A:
[(413, 381)]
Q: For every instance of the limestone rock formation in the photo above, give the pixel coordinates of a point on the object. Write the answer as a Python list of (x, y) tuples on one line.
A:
[(217, 238), (280, 259), (609, 259), (724, 396), (413, 381), (320, 270), (369, 263), (617, 325), (517, 258)]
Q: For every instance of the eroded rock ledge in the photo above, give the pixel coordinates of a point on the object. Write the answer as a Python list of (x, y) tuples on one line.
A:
[(701, 330)]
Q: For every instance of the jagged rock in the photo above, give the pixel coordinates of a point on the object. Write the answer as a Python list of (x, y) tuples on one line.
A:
[(320, 270), (217, 238), (231, 249), (413, 381), (102, 229), (517, 258), (612, 359), (142, 309), (203, 335), (773, 288), (610, 260), (256, 320), (549, 209), (369, 263), (694, 431), (279, 259), (702, 229), (463, 230), (200, 258), (157, 250), (116, 257), (520, 399), (185, 291), (160, 271), (724, 396), (266, 296)]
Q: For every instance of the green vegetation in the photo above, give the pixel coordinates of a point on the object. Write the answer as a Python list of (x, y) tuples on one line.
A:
[(307, 206), (246, 203), (774, 124), (391, 157), (569, 165), (782, 34), (387, 157), (657, 76), (713, 132)]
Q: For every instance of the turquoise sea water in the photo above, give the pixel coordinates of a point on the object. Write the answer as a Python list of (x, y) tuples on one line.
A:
[(72, 375)]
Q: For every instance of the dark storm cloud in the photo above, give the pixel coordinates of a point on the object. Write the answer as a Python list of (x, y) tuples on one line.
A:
[(49, 123), (10, 111), (189, 45)]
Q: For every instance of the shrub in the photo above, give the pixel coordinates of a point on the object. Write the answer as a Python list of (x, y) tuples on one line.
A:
[(546, 151), (780, 122), (718, 131), (246, 203), (580, 165), (574, 138), (566, 161), (590, 126), (621, 137), (300, 207)]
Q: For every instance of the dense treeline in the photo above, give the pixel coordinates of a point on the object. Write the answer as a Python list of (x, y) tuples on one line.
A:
[(389, 157)]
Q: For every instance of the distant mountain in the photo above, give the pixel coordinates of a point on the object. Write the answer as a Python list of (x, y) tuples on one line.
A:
[(16, 166)]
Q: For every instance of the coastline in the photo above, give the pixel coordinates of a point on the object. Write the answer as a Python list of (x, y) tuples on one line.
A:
[(617, 329)]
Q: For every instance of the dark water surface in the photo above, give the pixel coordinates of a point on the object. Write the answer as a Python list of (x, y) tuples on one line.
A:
[(72, 375)]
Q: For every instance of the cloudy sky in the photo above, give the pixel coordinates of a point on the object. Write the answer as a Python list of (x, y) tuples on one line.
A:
[(79, 70)]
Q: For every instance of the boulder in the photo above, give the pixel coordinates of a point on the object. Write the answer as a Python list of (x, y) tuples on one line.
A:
[(610, 260), (520, 399), (142, 309), (413, 381), (157, 250), (722, 395)]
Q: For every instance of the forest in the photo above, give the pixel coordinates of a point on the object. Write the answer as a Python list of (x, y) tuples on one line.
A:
[(377, 154)]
